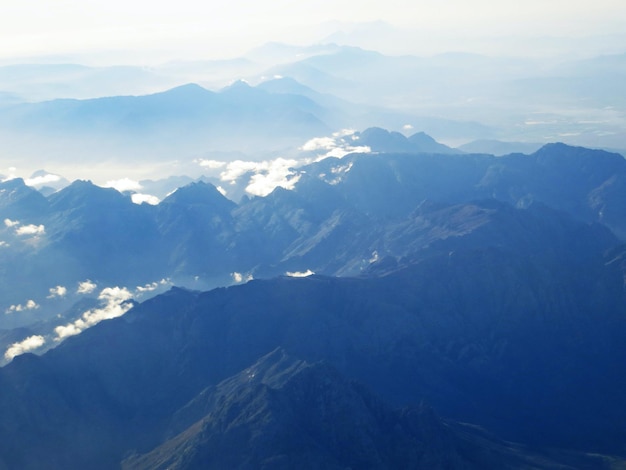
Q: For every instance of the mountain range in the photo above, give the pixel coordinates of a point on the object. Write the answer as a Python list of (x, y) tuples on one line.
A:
[(185, 110), (341, 216), (408, 307)]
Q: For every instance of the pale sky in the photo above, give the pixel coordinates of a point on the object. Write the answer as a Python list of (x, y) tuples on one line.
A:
[(42, 27)]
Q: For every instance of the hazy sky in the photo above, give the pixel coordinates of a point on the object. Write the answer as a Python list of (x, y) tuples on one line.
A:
[(36, 27)]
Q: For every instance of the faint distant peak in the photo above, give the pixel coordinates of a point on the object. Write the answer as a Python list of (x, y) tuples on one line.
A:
[(284, 85), (189, 89), (237, 85), (382, 140)]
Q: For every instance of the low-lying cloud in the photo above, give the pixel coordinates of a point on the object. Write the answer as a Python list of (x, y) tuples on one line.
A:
[(29, 305), (151, 287), (86, 287), (58, 291), (211, 164), (338, 145), (139, 198), (41, 180), (240, 277), (11, 223), (29, 344), (26, 230), (265, 176), (306, 273), (113, 303), (124, 184)]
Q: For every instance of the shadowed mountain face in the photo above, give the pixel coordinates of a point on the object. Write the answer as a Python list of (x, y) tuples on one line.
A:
[(501, 339), (339, 424)]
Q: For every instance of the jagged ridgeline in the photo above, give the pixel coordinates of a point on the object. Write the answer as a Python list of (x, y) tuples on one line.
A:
[(468, 311)]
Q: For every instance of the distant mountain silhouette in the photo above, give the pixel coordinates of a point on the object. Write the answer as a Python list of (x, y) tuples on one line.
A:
[(381, 140)]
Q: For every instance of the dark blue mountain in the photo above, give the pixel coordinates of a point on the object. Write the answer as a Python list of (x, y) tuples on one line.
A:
[(342, 216), (487, 334)]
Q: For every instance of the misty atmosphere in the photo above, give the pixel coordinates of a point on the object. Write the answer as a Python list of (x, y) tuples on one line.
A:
[(323, 235)]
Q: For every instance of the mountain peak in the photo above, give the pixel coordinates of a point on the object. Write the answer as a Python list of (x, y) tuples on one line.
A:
[(198, 193), (82, 192)]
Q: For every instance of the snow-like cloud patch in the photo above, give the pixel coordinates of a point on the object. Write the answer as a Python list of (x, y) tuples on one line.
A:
[(113, 304), (11, 174), (319, 143), (266, 175), (278, 173), (42, 180), (147, 288), (239, 277), (139, 198), (86, 287), (30, 229), (29, 344), (29, 305), (115, 294), (152, 286), (338, 145), (306, 273), (407, 127), (236, 169), (124, 184), (3, 244), (11, 223), (58, 291), (210, 164)]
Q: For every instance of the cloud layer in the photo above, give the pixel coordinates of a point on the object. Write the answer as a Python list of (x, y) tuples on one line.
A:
[(29, 305), (29, 344), (113, 303)]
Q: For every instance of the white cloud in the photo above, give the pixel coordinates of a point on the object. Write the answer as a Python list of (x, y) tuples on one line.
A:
[(11, 223), (306, 273), (115, 294), (30, 230), (210, 164), (138, 198), (124, 184), (43, 179), (29, 305), (239, 277), (29, 344), (147, 287), (3, 244), (319, 143), (113, 304), (338, 146), (338, 173), (407, 127), (151, 286), (221, 190), (86, 287), (58, 291), (266, 175), (340, 152), (236, 169), (277, 173)]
